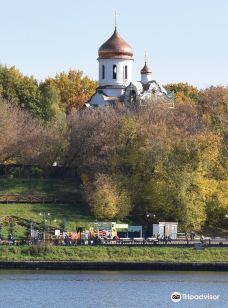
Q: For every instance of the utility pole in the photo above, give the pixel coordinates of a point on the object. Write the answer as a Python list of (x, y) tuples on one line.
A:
[(226, 222)]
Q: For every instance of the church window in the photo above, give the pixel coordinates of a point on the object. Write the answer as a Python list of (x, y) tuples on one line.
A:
[(125, 72), (103, 72), (114, 72)]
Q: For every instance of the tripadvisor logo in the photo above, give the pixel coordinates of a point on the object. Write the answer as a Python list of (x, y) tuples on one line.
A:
[(176, 297)]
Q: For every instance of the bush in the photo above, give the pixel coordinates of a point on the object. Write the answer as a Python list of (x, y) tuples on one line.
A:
[(18, 172), (37, 250), (36, 172), (25, 172)]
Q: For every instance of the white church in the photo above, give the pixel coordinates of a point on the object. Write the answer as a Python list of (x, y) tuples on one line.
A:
[(115, 59)]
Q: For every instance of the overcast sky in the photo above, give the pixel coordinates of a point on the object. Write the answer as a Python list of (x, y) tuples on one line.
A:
[(186, 40)]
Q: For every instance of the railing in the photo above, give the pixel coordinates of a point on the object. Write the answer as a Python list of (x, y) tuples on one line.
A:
[(129, 243), (18, 198)]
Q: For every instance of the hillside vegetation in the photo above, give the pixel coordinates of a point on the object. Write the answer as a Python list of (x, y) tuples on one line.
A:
[(26, 186), (172, 163), (73, 215), (114, 254)]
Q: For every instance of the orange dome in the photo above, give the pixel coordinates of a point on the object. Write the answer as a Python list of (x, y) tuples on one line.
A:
[(146, 69), (115, 47)]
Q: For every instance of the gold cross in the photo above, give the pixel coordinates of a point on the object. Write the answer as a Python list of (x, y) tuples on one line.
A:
[(116, 19)]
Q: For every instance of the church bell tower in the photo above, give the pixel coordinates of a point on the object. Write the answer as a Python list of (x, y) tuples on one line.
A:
[(115, 59), (146, 73)]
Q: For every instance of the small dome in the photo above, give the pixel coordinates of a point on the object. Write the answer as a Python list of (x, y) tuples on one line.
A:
[(115, 47), (146, 69)]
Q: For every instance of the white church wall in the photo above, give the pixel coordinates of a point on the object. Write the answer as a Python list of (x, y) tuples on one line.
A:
[(114, 92), (97, 99), (145, 78), (120, 64)]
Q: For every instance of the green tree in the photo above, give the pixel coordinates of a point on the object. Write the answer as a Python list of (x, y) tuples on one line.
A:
[(50, 100), (20, 90)]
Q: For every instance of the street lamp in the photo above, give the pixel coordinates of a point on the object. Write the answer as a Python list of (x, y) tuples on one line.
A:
[(31, 228), (226, 221), (149, 215), (63, 225), (45, 216), (11, 229), (1, 230), (150, 218)]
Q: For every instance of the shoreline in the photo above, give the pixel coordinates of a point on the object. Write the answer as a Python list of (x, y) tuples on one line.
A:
[(114, 266)]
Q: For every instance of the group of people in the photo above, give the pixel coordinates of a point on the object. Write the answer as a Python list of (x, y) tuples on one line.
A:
[(163, 238)]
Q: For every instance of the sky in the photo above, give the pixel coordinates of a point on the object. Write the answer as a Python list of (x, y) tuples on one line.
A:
[(185, 40)]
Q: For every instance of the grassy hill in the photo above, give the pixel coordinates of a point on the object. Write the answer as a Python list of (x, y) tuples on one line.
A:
[(59, 187), (75, 213)]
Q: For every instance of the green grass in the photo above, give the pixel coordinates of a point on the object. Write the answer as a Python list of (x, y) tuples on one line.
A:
[(133, 254), (26, 186), (75, 214)]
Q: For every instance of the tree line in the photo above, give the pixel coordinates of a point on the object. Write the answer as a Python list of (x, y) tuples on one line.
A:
[(62, 94), (171, 162)]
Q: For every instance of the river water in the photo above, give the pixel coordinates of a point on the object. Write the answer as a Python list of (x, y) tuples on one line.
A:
[(111, 289)]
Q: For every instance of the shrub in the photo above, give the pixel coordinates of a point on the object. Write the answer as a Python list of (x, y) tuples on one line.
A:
[(37, 250)]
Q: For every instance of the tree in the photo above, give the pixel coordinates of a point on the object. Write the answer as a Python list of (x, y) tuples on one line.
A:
[(63, 226), (20, 90), (64, 93), (50, 100), (92, 134), (75, 89), (183, 92), (214, 104), (26, 140), (107, 201)]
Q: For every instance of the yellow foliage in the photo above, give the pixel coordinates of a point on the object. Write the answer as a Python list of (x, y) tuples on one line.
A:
[(84, 179)]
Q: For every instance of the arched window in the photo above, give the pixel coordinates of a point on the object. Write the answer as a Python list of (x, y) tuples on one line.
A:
[(103, 72), (125, 72), (114, 72)]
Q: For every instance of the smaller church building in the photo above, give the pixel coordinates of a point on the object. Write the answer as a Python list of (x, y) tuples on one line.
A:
[(116, 59)]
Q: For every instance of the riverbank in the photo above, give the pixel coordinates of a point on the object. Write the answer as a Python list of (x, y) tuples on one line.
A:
[(113, 254), (113, 266)]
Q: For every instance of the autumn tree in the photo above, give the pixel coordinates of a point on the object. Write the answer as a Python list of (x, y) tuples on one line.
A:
[(184, 92), (75, 89), (64, 93), (25, 139), (92, 134), (172, 162), (106, 200)]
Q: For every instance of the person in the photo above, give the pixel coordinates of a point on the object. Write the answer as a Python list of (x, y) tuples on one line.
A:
[(193, 235), (186, 237), (202, 238)]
